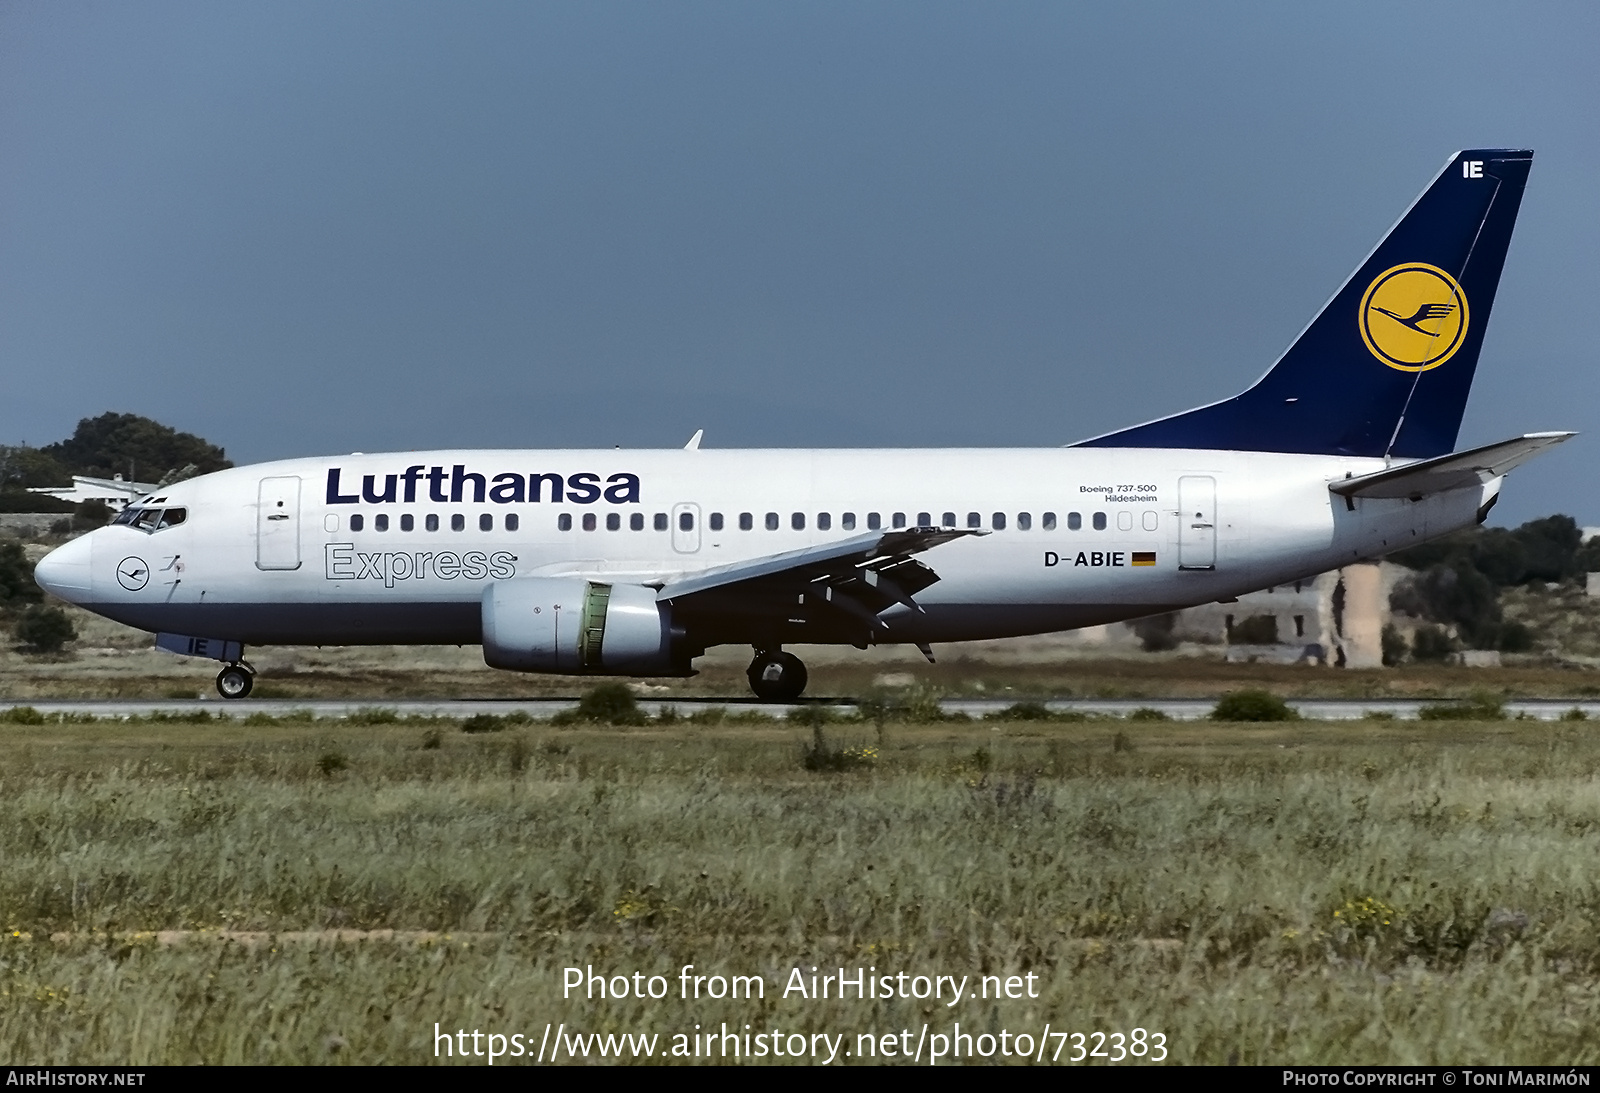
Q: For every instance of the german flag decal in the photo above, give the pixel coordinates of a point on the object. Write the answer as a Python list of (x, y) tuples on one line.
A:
[(1144, 557)]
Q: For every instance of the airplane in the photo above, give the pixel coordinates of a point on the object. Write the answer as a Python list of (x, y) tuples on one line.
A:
[(633, 563)]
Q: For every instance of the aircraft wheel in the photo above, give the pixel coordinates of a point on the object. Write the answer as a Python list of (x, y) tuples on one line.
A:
[(777, 677), (234, 682)]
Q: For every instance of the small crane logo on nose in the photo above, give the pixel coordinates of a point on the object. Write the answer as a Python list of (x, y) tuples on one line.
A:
[(133, 574)]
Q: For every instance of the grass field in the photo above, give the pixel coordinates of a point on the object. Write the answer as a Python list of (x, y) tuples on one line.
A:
[(1299, 892)]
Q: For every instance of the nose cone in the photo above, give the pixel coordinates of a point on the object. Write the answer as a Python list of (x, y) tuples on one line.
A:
[(64, 572)]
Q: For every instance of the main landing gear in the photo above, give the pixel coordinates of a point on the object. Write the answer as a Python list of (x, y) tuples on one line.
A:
[(236, 680), (776, 676)]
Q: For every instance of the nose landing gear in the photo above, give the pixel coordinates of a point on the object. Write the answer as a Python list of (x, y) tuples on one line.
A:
[(236, 680), (776, 676)]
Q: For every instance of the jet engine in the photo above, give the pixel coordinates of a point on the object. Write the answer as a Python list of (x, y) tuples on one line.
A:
[(571, 625)]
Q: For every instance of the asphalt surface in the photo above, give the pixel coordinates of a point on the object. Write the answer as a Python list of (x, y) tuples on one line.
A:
[(1176, 709)]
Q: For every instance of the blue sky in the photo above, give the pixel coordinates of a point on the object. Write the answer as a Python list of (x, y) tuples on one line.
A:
[(306, 228)]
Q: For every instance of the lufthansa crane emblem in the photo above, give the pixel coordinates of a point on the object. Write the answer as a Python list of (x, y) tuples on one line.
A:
[(1414, 317), (133, 574)]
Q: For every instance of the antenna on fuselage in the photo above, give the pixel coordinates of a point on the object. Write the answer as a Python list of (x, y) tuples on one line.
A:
[(694, 441)]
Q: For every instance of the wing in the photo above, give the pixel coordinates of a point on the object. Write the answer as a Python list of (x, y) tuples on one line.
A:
[(856, 579), (1449, 472)]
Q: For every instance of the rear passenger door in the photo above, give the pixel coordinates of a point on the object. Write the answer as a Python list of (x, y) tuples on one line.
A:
[(1197, 522)]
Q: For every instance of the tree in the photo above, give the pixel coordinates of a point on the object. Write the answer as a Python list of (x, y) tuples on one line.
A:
[(16, 577), (46, 629), (1156, 632), (90, 515), (23, 468), (1551, 545), (1456, 594), (1394, 646), (1432, 643), (1547, 549), (134, 447)]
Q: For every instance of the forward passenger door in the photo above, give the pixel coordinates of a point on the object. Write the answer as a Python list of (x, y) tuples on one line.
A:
[(278, 523)]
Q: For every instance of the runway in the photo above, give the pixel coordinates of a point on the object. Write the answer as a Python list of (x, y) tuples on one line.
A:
[(543, 709)]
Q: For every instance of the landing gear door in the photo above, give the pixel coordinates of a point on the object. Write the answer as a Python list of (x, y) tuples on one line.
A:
[(278, 523), (1197, 522), (686, 528)]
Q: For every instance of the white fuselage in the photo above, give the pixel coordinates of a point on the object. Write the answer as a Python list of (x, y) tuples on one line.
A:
[(286, 553)]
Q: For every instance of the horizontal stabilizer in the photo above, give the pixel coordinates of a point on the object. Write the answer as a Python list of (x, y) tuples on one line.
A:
[(1449, 472)]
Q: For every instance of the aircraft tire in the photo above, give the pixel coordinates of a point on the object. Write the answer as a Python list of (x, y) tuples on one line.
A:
[(234, 682), (777, 677)]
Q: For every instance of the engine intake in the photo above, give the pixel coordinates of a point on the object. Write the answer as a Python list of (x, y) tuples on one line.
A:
[(570, 625)]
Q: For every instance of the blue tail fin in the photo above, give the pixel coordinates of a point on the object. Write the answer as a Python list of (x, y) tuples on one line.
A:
[(1385, 368)]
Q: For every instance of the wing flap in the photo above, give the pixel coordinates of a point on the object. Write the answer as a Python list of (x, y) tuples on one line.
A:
[(1458, 470), (808, 563), (860, 577)]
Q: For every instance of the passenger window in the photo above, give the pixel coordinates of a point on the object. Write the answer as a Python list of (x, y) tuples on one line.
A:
[(874, 521), (485, 522), (613, 521), (661, 521), (716, 521), (798, 521), (998, 521), (1049, 521), (512, 521), (458, 521), (1074, 521), (974, 520), (636, 521), (564, 521), (746, 521), (1024, 521), (1099, 521), (924, 519), (356, 522), (407, 522), (1124, 520), (848, 521), (772, 521), (588, 521), (948, 520), (1152, 522), (432, 521), (685, 521), (380, 522), (824, 521), (899, 519)]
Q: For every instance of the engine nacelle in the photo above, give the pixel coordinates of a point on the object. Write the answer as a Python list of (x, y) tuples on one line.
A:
[(570, 625)]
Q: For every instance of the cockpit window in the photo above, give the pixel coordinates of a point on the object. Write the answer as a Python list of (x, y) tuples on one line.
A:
[(151, 520)]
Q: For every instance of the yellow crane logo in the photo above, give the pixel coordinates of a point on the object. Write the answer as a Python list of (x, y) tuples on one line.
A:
[(1413, 317)]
